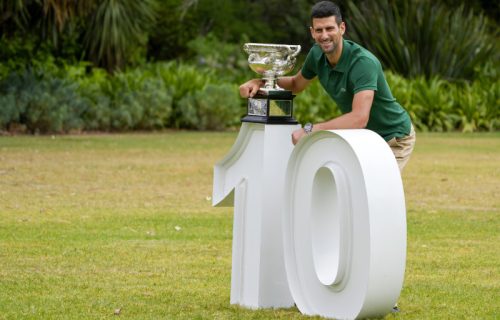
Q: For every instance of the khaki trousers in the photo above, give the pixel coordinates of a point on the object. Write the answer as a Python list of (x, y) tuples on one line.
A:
[(402, 148)]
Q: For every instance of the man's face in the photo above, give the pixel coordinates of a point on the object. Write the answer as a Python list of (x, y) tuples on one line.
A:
[(327, 33)]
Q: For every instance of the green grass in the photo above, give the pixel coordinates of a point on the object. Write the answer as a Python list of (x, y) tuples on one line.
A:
[(94, 223)]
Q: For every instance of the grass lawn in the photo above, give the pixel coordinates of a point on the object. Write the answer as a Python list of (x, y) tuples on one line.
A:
[(121, 226)]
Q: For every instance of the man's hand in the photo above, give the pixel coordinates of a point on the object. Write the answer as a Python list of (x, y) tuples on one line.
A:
[(297, 135), (250, 88)]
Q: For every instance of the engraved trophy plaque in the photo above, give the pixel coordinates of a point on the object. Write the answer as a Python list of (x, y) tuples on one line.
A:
[(272, 104)]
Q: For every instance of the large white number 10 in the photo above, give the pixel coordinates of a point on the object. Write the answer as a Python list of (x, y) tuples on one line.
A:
[(322, 224)]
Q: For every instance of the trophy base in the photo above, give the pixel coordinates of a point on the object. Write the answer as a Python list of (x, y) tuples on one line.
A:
[(269, 120), (271, 107)]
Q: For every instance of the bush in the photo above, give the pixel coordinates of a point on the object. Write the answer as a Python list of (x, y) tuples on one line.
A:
[(433, 105), (477, 106), (213, 108), (229, 60), (314, 105), (131, 100), (93, 87), (178, 95), (9, 112), (438, 105), (156, 101), (183, 80), (42, 103)]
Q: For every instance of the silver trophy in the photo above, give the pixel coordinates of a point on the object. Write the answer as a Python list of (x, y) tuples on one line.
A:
[(271, 61), (272, 105)]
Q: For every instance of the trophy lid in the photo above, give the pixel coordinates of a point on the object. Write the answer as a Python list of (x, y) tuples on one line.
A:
[(271, 48)]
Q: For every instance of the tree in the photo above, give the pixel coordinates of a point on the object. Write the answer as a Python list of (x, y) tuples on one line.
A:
[(111, 29), (115, 28)]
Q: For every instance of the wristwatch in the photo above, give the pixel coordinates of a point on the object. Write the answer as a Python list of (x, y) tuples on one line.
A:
[(308, 127)]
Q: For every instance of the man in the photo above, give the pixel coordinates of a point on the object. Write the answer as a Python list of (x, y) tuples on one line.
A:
[(353, 77)]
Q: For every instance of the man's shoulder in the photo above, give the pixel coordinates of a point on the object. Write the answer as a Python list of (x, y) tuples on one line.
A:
[(314, 57), (312, 63), (316, 51), (361, 55), (356, 48)]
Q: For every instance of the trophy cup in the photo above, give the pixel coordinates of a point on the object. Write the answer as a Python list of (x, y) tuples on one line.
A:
[(272, 104)]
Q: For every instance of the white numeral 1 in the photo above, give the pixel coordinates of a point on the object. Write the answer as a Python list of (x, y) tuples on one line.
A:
[(252, 176)]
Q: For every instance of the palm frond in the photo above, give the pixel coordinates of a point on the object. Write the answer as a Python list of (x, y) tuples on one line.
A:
[(422, 37), (115, 27)]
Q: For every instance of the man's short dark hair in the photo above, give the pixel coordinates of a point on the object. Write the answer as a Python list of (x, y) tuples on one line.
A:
[(324, 9)]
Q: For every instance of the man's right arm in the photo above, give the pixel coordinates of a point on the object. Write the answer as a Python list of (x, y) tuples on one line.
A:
[(250, 88), (295, 83)]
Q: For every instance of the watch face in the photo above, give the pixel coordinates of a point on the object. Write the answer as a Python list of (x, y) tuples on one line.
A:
[(308, 127)]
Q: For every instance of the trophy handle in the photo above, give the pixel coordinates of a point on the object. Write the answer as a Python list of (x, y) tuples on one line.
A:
[(297, 51)]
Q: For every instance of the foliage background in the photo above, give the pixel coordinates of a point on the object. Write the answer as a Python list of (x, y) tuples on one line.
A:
[(119, 65)]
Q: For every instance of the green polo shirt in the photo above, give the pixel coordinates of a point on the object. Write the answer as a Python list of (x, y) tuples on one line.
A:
[(357, 70)]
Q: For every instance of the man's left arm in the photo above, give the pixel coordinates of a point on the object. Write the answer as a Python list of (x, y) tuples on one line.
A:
[(356, 119)]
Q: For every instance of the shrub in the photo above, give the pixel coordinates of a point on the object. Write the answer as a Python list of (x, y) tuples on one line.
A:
[(215, 107), (98, 114), (93, 88), (179, 95), (136, 99), (183, 80), (438, 105), (229, 60), (433, 101), (42, 102), (314, 105), (156, 101), (70, 99), (477, 106), (9, 112)]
